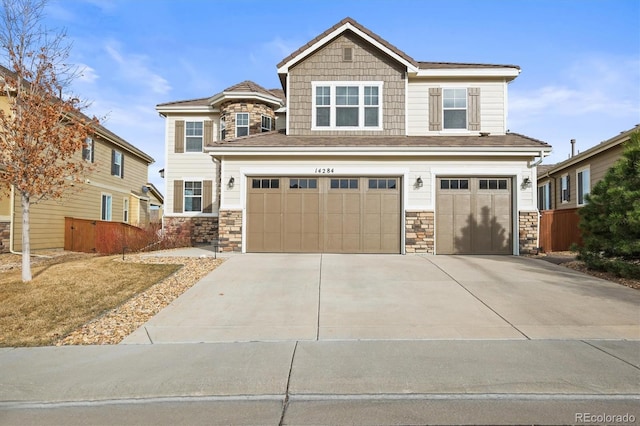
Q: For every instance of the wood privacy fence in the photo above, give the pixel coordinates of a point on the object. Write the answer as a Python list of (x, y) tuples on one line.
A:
[(559, 229), (97, 236)]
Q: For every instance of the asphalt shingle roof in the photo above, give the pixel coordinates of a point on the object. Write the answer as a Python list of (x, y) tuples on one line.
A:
[(279, 139)]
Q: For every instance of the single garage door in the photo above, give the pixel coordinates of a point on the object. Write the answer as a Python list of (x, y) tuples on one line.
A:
[(474, 215), (323, 214)]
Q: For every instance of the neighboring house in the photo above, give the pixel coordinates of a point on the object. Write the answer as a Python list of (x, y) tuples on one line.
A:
[(564, 185), (116, 190), (370, 151), (562, 189)]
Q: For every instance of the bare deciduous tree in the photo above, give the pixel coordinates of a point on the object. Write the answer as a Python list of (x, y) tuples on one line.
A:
[(42, 132)]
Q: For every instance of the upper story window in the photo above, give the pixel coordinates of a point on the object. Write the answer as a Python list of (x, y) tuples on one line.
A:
[(194, 135), (242, 124), (454, 108), (544, 196), (117, 163), (223, 129), (266, 123), (87, 150), (347, 106), (565, 190), (584, 185)]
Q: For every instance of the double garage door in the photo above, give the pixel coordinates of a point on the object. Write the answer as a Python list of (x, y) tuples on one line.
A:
[(324, 214), (474, 215)]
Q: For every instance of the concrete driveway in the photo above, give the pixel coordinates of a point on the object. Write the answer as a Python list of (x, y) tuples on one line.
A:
[(297, 297)]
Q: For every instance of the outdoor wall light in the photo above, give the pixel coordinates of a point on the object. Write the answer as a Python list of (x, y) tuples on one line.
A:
[(161, 171), (419, 182), (526, 182), (231, 182)]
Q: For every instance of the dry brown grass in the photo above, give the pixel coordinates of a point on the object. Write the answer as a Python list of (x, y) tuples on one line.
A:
[(66, 293)]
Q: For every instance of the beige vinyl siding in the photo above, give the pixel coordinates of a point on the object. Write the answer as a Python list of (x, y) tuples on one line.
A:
[(326, 64), (492, 105), (84, 202), (598, 166), (188, 165), (5, 201)]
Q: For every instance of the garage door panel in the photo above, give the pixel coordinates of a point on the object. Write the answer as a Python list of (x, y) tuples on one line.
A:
[(476, 219), (341, 215)]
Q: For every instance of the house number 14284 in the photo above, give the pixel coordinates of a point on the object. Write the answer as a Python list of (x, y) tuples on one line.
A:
[(324, 170)]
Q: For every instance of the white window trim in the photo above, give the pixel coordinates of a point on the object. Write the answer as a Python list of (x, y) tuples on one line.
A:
[(546, 197), (186, 151), (563, 180), (125, 210), (117, 153), (248, 125), (89, 149), (110, 211), (361, 106), (223, 128), (262, 128), (466, 109), (184, 196), (578, 182)]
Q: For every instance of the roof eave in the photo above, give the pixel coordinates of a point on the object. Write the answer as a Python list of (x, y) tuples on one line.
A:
[(382, 150), (222, 96), (509, 73), (593, 151), (284, 69), (179, 109)]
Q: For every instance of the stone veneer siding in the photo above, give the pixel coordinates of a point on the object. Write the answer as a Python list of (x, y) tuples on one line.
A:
[(419, 232), (195, 230), (528, 232), (5, 232), (228, 112), (230, 230)]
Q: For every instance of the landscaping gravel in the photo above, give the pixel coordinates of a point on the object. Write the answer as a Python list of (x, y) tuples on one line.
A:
[(113, 326)]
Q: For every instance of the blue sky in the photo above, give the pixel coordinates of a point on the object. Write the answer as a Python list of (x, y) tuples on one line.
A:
[(580, 59)]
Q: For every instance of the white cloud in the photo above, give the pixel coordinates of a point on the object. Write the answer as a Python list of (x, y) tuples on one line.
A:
[(134, 68), (604, 85), (282, 48), (87, 74)]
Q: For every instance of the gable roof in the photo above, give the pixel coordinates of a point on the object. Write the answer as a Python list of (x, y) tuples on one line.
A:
[(421, 69), (591, 152), (243, 90), (347, 24)]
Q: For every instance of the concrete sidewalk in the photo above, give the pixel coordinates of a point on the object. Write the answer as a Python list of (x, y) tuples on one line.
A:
[(339, 382)]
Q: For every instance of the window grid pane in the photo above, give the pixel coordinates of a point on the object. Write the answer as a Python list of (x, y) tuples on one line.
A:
[(347, 95), (346, 117), (323, 95)]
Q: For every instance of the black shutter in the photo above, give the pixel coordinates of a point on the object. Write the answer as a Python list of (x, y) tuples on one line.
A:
[(113, 162), (122, 165)]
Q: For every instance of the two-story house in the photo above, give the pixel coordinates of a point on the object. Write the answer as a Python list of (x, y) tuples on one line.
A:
[(116, 189), (365, 150), (563, 187)]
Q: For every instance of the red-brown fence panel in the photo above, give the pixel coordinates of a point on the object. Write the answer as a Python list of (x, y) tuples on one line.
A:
[(559, 229), (97, 236)]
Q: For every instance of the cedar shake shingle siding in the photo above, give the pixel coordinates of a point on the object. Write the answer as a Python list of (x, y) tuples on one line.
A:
[(368, 64)]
